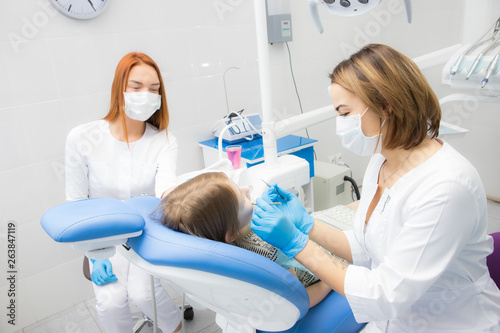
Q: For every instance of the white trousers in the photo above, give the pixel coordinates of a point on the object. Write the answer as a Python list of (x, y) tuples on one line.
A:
[(133, 284)]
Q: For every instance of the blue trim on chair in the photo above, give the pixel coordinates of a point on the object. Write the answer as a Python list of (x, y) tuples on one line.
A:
[(333, 314)]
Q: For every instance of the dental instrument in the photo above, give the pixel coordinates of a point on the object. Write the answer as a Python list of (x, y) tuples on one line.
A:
[(490, 70), (278, 193), (269, 203), (484, 52), (235, 127), (236, 131), (496, 27)]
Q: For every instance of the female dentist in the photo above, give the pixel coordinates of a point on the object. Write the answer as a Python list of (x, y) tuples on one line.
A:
[(416, 259), (126, 154)]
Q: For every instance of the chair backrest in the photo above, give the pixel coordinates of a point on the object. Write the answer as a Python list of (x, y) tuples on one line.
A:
[(493, 260)]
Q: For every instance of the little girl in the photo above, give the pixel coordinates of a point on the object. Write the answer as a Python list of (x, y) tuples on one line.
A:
[(212, 206)]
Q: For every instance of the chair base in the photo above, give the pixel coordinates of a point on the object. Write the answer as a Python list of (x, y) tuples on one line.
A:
[(188, 312), (145, 321)]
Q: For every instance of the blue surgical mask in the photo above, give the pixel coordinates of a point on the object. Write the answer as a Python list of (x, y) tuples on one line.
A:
[(349, 130)]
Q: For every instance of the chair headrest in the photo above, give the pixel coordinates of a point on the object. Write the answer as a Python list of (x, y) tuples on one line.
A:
[(90, 219)]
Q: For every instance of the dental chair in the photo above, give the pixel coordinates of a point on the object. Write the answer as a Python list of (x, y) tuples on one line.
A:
[(248, 292)]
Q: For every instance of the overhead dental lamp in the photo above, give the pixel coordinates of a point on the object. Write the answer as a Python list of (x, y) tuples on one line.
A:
[(348, 8)]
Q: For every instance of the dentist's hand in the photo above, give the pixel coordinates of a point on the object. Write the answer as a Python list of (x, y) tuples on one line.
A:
[(291, 207), (102, 272), (270, 224)]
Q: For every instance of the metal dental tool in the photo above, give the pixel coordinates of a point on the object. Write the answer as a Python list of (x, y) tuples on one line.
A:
[(493, 45), (490, 69), (454, 69), (269, 203), (496, 27), (278, 193)]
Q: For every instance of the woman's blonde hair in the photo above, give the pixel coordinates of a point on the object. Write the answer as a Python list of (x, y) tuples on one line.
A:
[(205, 206), (160, 118), (393, 87)]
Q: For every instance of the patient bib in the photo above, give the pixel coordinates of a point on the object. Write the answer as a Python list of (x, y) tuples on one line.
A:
[(254, 243)]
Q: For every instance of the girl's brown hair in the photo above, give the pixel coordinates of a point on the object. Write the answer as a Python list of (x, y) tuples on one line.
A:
[(160, 118), (204, 206), (393, 87)]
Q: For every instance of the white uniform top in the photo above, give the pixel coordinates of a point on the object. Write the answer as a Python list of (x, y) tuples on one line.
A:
[(420, 261), (98, 165)]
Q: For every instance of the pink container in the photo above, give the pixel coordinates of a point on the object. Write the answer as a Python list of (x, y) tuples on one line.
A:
[(234, 155)]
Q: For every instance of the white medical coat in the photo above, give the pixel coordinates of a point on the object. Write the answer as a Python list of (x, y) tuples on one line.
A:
[(98, 165), (420, 261)]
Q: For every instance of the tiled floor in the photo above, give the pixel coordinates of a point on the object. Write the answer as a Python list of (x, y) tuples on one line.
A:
[(82, 317)]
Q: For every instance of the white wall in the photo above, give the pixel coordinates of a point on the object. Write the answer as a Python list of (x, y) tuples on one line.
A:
[(58, 72)]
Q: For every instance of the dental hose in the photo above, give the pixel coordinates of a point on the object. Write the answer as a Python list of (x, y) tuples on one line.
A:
[(354, 186)]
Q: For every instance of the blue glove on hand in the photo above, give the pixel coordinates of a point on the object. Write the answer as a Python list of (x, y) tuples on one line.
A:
[(102, 272), (291, 207), (270, 224)]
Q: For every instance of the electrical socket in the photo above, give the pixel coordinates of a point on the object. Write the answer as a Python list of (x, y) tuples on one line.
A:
[(335, 159)]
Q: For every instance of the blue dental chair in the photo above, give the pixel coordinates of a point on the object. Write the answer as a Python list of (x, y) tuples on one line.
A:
[(248, 292)]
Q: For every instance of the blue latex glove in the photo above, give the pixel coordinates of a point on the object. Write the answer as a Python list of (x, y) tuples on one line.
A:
[(270, 224), (102, 272), (291, 207)]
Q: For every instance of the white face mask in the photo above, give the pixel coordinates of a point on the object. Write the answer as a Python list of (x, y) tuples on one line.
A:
[(349, 130), (141, 105)]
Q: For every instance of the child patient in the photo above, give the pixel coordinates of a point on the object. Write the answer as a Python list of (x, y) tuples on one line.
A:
[(212, 206)]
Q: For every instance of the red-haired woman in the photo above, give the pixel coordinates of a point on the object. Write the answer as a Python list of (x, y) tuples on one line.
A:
[(126, 154)]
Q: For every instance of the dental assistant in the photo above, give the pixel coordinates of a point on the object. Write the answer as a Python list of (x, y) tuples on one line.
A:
[(126, 154), (416, 259)]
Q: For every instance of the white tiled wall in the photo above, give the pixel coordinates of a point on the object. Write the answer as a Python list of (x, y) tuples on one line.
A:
[(59, 72)]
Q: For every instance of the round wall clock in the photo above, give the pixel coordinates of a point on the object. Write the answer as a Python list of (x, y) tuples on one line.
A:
[(80, 9)]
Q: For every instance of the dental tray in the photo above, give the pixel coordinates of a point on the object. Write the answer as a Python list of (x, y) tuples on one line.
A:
[(460, 81)]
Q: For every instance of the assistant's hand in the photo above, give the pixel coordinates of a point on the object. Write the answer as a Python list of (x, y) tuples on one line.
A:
[(291, 207), (102, 272), (270, 224)]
